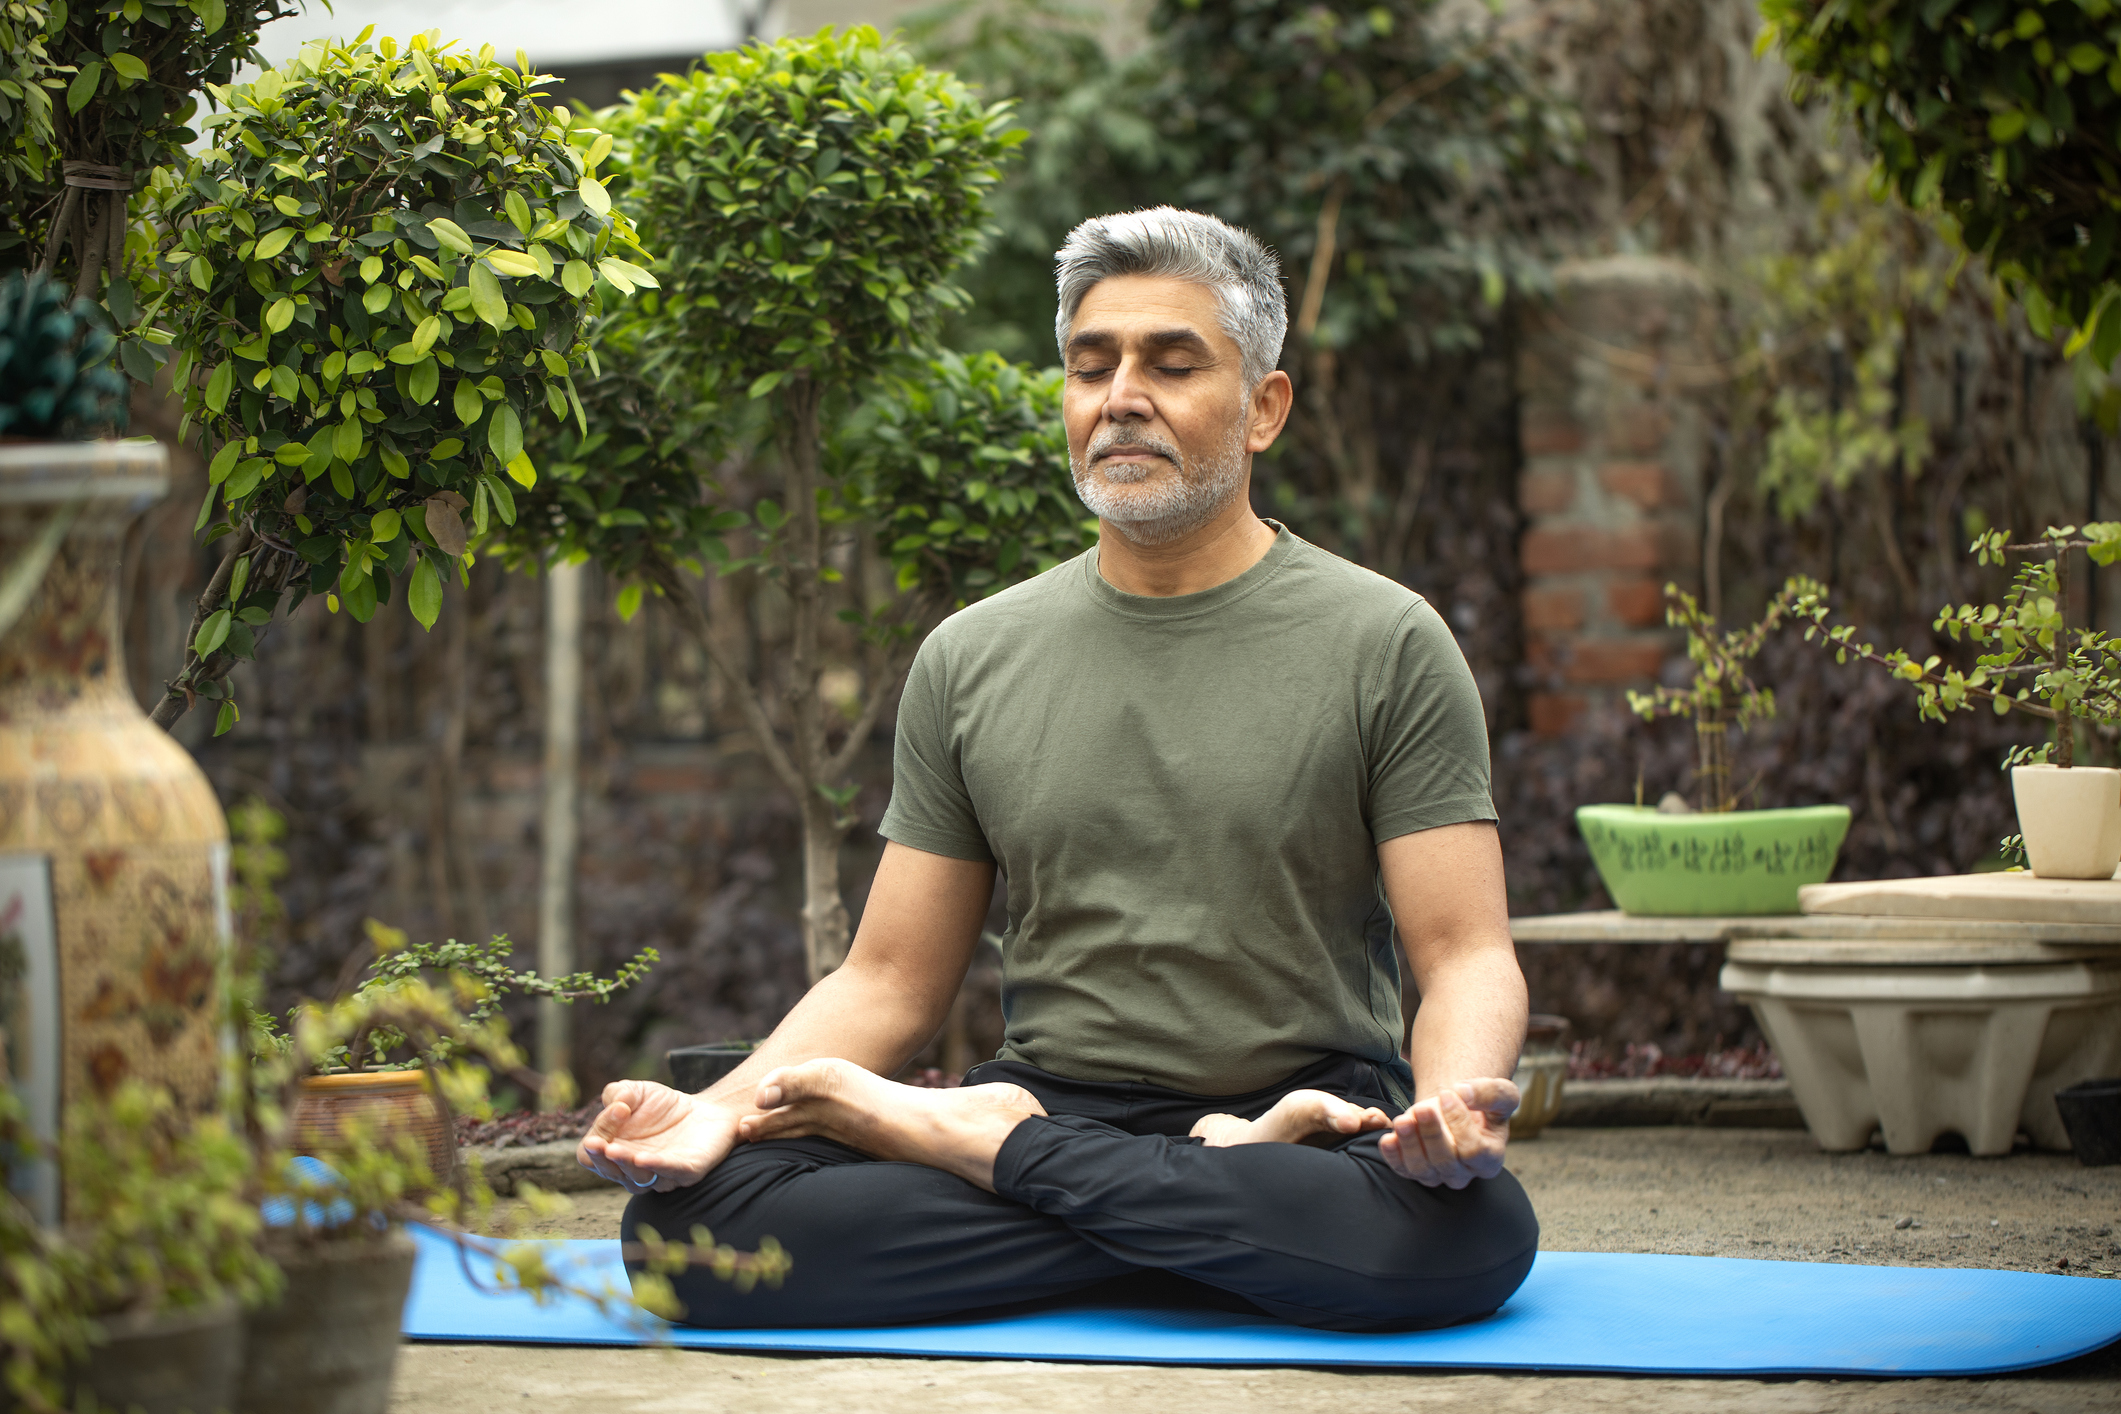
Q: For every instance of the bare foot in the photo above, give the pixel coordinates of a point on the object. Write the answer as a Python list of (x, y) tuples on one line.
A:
[(957, 1131), (1301, 1116)]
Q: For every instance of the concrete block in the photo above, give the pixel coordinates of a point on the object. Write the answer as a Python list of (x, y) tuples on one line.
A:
[(1678, 1100)]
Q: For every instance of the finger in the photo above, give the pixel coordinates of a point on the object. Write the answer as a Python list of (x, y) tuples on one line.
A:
[(768, 1096), (590, 1155), (614, 1090), (1438, 1141), (611, 1120), (1401, 1147), (1490, 1095)]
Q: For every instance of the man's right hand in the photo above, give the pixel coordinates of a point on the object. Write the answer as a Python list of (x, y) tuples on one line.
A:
[(650, 1136)]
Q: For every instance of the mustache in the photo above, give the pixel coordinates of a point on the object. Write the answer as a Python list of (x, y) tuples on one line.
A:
[(1120, 440)]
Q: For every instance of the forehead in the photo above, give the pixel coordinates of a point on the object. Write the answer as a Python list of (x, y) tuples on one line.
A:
[(1132, 305)]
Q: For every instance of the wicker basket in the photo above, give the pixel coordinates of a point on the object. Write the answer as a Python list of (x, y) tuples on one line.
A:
[(392, 1102)]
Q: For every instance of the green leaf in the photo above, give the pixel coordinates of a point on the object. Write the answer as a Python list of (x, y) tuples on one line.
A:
[(218, 386), (128, 68), (423, 338), (504, 434), (518, 211), (279, 314), (524, 473), (346, 441), (469, 405), (424, 595), (449, 234), (594, 197), (376, 298), (424, 380), (291, 454), (212, 633), (212, 15), (226, 718), (487, 301), (83, 88), (383, 527), (274, 241), (766, 383), (629, 602), (224, 462), (576, 277)]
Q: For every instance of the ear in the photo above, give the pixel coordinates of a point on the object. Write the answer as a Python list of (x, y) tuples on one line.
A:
[(1269, 411)]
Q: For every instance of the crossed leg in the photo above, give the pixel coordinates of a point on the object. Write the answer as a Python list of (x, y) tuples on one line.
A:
[(900, 1204)]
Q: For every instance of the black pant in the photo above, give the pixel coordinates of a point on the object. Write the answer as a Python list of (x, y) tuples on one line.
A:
[(1104, 1187)]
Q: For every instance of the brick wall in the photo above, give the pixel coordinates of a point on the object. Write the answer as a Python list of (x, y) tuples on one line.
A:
[(1611, 372)]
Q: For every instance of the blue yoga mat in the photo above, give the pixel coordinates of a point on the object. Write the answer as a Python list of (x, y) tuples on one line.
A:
[(1578, 1311)]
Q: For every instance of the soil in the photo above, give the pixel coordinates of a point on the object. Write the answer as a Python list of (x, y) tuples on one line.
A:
[(1739, 1193)]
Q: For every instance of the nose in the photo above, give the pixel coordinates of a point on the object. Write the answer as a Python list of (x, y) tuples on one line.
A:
[(1127, 396)]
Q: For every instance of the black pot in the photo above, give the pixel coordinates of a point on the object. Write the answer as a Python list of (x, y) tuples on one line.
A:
[(330, 1345), (694, 1068), (173, 1362), (2091, 1112)]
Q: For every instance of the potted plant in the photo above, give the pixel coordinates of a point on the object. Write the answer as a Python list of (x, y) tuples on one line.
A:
[(383, 1074), (2069, 815), (155, 1206), (1716, 859)]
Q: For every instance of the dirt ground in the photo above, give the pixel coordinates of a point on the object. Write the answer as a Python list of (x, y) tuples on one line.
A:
[(1740, 1193)]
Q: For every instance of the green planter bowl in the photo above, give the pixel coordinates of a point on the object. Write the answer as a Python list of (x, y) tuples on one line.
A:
[(1701, 866)]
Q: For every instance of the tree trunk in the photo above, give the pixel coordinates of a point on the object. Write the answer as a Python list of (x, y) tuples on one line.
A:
[(2065, 727), (825, 926), (824, 914), (560, 823)]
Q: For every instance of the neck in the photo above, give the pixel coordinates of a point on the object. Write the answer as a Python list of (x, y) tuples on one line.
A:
[(1214, 553)]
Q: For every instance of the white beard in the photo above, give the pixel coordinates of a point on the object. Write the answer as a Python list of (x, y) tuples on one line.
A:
[(1158, 513)]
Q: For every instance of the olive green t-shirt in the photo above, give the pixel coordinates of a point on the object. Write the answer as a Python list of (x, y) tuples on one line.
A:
[(1185, 796)]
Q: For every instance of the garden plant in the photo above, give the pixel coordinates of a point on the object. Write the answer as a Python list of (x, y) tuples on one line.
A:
[(380, 272), (1722, 694), (810, 201), (2001, 116)]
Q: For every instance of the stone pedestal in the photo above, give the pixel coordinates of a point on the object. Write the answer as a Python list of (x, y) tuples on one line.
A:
[(1922, 1007)]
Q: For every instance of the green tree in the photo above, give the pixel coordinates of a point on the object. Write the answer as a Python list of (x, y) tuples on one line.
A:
[(93, 98), (380, 273), (811, 201), (2003, 116)]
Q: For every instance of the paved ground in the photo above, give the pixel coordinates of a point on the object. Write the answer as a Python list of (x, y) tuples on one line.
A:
[(1756, 1193)]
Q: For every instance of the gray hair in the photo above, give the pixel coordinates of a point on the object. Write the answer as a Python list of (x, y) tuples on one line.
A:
[(1181, 245)]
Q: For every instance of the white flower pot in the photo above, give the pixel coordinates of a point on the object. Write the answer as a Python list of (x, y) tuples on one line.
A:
[(2071, 820)]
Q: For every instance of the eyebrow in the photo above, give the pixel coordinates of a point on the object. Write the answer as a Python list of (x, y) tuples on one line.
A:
[(1101, 339)]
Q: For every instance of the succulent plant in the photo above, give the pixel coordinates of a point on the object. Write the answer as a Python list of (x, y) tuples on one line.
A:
[(56, 378)]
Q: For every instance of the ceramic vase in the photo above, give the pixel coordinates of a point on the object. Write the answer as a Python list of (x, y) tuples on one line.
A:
[(113, 849), (2071, 819)]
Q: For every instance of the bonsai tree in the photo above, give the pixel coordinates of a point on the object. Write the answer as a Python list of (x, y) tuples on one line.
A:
[(2000, 115), (380, 272), (1722, 694), (811, 200)]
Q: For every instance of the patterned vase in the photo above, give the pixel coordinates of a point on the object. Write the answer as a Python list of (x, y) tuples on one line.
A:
[(113, 849)]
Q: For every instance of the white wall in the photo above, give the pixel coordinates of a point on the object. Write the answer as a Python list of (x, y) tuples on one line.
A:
[(554, 32)]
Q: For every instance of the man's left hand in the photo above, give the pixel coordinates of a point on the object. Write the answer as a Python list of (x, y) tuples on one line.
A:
[(1455, 1136)]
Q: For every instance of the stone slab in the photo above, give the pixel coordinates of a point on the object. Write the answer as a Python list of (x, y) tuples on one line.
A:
[(1613, 926), (1677, 1100), (2004, 896), (551, 1167), (1925, 949), (1610, 925)]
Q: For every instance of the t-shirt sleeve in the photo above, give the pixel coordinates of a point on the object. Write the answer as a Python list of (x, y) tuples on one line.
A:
[(930, 808), (1428, 737)]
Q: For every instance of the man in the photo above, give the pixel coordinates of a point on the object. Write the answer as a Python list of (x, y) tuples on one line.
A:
[(1204, 756)]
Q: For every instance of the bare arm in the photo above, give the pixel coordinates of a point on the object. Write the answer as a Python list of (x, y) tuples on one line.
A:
[(1446, 890), (909, 956)]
